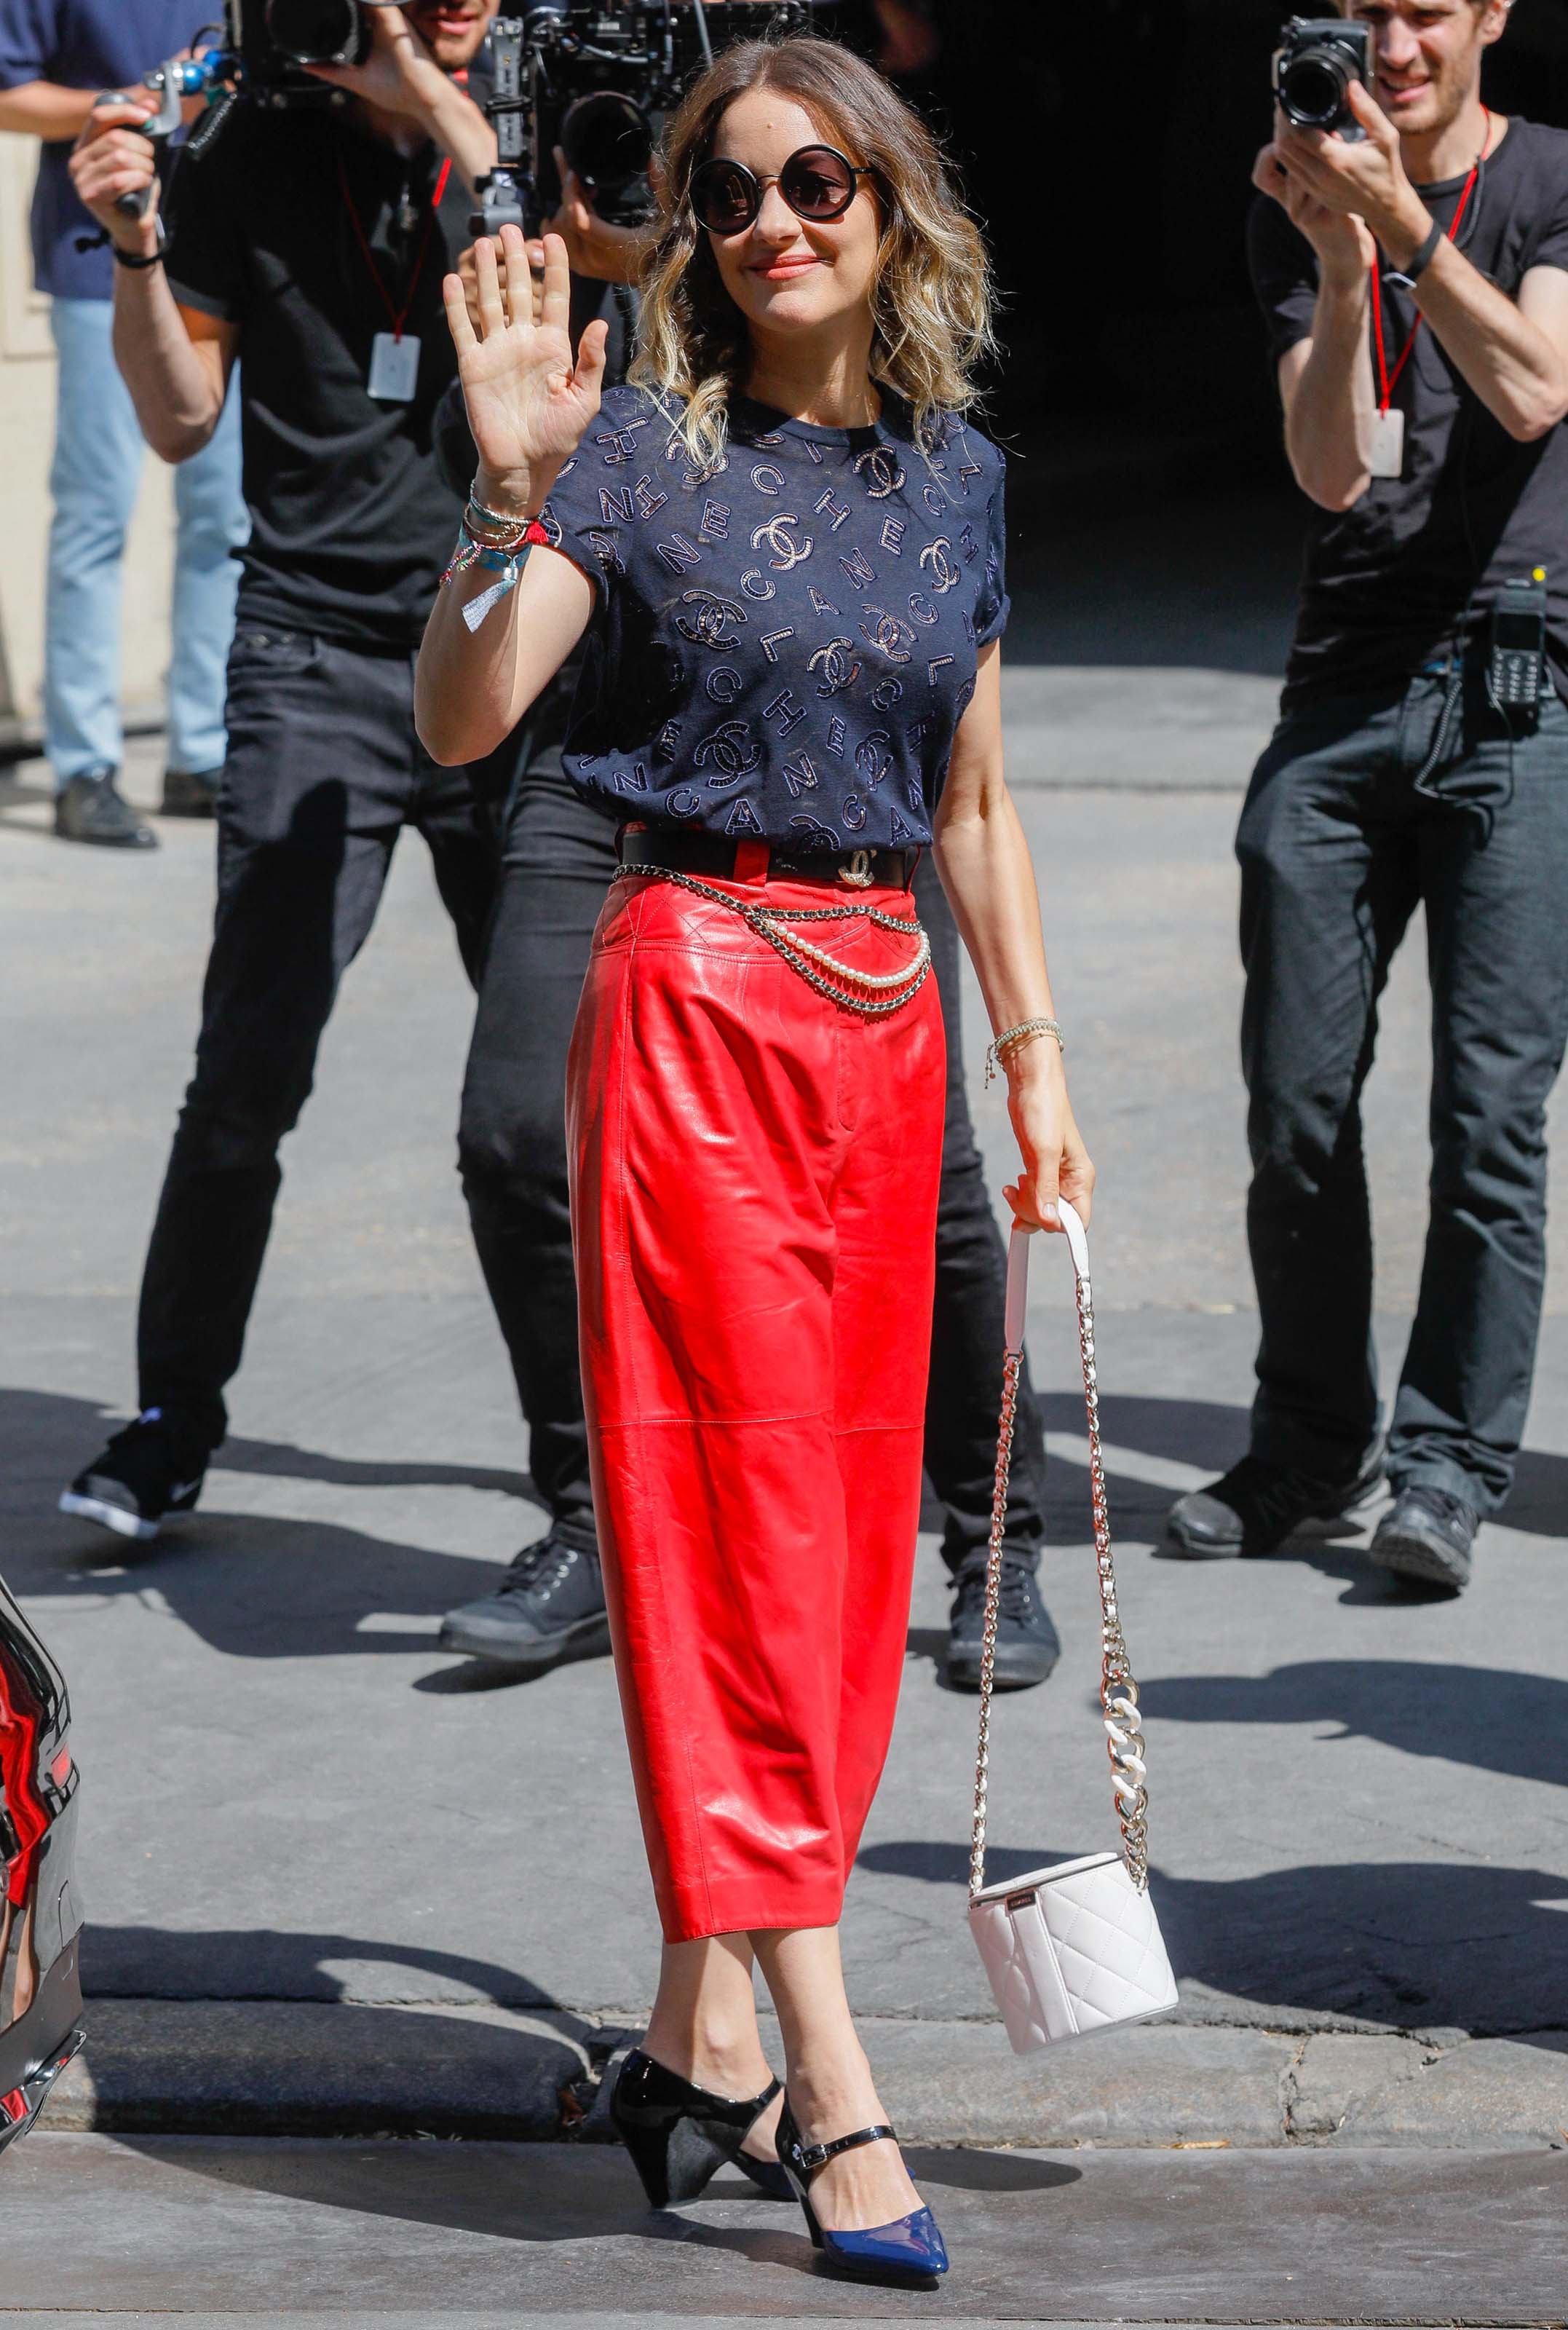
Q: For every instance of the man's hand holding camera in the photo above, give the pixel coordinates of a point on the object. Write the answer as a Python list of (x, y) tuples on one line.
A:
[(1347, 196)]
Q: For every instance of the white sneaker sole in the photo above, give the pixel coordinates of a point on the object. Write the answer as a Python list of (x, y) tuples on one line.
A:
[(107, 1516)]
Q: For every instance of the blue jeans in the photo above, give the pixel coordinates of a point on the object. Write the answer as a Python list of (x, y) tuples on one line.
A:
[(97, 463)]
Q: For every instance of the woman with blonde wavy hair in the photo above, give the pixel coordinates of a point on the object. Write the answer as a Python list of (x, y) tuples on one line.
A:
[(784, 543)]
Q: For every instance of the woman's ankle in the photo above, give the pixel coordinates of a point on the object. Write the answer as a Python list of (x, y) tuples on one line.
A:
[(728, 2063), (833, 2095)]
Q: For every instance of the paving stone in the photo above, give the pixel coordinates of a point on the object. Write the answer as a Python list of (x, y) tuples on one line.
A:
[(1490, 2094), (1337, 2073)]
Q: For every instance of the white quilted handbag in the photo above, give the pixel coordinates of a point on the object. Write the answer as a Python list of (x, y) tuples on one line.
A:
[(1075, 1948)]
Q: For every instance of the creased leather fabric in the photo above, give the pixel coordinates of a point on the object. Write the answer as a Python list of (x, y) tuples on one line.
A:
[(754, 1190)]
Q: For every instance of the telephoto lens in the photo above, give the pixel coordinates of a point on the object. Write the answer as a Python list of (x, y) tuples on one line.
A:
[(1314, 67), (319, 32), (606, 140)]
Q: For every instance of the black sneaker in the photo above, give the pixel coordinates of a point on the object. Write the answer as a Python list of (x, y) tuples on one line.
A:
[(92, 808), (1257, 1506), (149, 1474), (1427, 1533), (190, 793), (1027, 1645), (548, 1609)]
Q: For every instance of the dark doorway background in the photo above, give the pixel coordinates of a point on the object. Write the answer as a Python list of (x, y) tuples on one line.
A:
[(1108, 146)]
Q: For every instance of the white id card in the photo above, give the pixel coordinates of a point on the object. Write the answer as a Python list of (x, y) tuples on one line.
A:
[(394, 368), (1387, 444)]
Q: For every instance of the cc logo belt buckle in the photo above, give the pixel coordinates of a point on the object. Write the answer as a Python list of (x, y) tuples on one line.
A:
[(857, 873)]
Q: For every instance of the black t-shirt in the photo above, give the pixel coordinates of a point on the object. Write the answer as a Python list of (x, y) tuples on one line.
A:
[(1388, 582), (351, 525), (783, 650)]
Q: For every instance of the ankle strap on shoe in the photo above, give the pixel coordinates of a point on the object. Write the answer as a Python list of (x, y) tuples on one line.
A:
[(817, 2155)]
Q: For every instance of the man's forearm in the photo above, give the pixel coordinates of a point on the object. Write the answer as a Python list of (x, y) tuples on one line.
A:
[(42, 109), (1329, 424), (461, 130), (177, 389), (1513, 367)]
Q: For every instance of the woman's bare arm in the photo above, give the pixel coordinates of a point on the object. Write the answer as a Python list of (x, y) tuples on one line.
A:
[(985, 868)]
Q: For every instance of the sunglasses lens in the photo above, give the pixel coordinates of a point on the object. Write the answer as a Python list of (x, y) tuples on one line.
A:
[(724, 197), (818, 183)]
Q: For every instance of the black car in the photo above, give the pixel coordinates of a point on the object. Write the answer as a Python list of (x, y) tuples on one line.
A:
[(40, 1922)]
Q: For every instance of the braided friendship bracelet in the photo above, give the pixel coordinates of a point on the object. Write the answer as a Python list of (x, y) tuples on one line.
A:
[(1013, 1040), (506, 561)]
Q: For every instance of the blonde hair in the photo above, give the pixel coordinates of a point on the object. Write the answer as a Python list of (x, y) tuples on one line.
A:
[(932, 297)]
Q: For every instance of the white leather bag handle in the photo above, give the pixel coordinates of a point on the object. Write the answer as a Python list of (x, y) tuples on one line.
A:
[(1117, 1688)]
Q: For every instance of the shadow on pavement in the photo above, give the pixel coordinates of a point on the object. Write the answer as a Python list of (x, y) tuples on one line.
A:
[(261, 1962), (1420, 1946), (1496, 1719)]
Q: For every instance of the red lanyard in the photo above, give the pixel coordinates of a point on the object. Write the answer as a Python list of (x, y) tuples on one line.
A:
[(398, 315), (1388, 382)]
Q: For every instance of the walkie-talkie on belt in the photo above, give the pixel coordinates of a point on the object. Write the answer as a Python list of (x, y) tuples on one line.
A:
[(1517, 667)]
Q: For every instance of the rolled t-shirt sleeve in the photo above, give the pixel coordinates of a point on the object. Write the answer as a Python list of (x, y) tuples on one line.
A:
[(28, 33), (208, 264), (1284, 270), (1550, 249)]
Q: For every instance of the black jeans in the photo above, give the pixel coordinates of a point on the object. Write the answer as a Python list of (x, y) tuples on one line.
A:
[(558, 858), (1337, 845), (323, 774)]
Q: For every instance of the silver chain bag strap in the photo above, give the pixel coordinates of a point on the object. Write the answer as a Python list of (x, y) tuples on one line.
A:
[(1073, 1948)]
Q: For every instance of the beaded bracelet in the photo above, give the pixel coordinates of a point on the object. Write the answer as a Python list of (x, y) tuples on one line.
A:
[(1012, 1039)]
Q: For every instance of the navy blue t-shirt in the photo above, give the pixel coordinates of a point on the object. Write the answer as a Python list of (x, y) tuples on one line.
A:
[(93, 44), (783, 650)]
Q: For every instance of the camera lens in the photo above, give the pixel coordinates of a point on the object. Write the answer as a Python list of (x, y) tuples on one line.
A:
[(314, 32), (606, 139), (1313, 90)]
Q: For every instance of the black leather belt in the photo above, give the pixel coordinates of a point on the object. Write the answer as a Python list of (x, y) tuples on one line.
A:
[(711, 854)]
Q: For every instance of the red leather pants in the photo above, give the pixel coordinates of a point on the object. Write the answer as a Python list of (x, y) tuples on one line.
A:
[(754, 1192)]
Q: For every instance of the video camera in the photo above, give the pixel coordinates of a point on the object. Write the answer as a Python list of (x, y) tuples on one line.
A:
[(1317, 58), (597, 77)]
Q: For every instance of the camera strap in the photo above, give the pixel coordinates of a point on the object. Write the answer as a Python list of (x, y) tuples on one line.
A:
[(395, 355), (1388, 429)]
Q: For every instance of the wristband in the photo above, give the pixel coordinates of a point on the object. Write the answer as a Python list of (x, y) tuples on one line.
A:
[(127, 259), (1404, 278)]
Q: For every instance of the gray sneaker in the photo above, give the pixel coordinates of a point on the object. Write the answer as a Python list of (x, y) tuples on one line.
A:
[(92, 808), (1429, 1534), (547, 1610), (1257, 1506)]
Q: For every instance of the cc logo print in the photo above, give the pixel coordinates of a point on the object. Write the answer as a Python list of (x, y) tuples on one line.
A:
[(834, 663), (785, 551), (871, 757), (883, 474), (890, 637), (730, 750), (707, 625), (945, 570)]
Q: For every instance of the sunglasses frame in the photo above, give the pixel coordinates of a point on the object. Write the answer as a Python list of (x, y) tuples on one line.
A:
[(760, 186)]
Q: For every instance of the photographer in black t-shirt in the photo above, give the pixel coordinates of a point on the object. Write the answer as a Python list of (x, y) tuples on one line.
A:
[(1415, 282), (309, 245)]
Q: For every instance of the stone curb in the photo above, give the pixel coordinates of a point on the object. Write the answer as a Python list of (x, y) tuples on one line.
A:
[(281, 2068)]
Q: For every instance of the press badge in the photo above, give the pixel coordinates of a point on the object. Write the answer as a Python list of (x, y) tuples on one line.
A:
[(394, 367), (1387, 444)]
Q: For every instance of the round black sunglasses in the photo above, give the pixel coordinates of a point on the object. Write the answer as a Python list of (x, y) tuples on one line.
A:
[(817, 182)]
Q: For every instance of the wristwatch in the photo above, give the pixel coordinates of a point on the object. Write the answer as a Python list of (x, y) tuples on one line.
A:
[(1404, 278)]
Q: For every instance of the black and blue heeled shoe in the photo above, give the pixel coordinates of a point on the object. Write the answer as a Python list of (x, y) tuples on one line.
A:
[(908, 2254), (680, 2135)]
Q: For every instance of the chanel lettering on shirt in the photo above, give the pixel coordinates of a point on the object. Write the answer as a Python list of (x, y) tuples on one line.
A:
[(780, 651)]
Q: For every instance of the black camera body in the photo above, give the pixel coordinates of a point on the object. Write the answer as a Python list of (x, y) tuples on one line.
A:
[(272, 40), (1317, 58), (597, 79)]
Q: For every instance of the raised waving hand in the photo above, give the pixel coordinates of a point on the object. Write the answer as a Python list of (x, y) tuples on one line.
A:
[(529, 401)]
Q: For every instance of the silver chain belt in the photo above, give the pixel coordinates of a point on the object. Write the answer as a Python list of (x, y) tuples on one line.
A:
[(1117, 1687), (863, 991)]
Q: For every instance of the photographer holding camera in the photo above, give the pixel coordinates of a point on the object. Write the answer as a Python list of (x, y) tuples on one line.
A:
[(309, 239), (1411, 254)]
